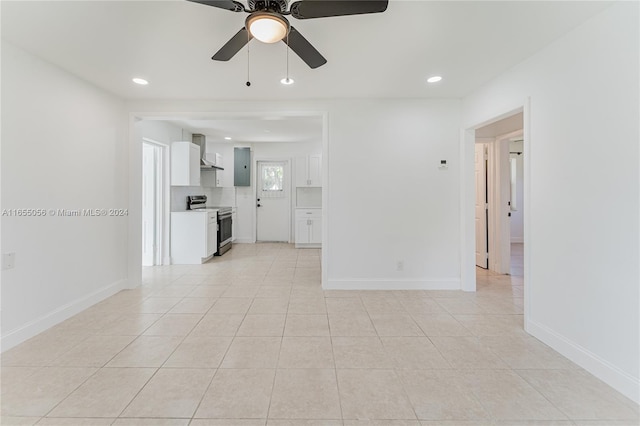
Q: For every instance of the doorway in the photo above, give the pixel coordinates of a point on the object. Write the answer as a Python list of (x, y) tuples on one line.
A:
[(273, 201), (152, 203), (494, 206), (246, 197)]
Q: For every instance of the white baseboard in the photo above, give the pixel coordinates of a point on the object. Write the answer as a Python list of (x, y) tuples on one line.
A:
[(44, 322), (380, 284), (621, 381), (244, 241), (517, 240), (186, 260)]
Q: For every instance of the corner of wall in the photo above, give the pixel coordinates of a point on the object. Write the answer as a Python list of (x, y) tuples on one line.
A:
[(626, 384)]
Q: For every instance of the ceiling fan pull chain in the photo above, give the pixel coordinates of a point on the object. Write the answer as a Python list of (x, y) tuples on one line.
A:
[(248, 48), (287, 80)]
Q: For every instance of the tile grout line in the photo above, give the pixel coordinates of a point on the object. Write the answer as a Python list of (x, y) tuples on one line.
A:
[(392, 362), (275, 374), (98, 369), (164, 362), (335, 366)]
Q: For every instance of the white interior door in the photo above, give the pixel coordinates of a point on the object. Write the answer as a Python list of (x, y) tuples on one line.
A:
[(148, 213), (273, 201), (151, 204), (482, 240)]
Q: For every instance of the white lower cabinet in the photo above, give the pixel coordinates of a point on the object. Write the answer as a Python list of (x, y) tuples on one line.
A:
[(194, 237), (308, 228), (315, 231)]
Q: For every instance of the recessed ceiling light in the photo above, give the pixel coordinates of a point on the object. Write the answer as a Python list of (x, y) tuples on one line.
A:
[(140, 81), (286, 81), (434, 79), (227, 138)]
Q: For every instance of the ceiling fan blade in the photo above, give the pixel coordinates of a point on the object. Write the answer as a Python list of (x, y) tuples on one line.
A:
[(233, 46), (231, 5), (307, 9), (304, 49)]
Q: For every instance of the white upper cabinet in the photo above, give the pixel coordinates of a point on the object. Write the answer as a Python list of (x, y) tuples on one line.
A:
[(185, 164), (309, 171), (223, 155), (213, 178)]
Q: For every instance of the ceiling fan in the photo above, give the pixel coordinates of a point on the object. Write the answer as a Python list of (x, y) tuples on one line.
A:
[(267, 23)]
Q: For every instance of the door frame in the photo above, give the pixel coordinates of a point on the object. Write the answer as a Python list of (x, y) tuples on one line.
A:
[(498, 222), (288, 182), (467, 202), (208, 111), (163, 207)]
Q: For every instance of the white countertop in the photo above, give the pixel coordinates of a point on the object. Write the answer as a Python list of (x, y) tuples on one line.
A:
[(197, 211)]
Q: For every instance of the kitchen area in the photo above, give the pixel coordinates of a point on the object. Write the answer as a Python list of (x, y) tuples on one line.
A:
[(216, 183)]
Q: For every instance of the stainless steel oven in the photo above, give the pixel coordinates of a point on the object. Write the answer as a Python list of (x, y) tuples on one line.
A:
[(225, 226)]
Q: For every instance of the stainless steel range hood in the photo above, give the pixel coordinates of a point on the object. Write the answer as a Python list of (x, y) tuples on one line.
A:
[(200, 140)]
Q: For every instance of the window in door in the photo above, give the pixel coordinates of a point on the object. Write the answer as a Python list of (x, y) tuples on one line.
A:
[(272, 180)]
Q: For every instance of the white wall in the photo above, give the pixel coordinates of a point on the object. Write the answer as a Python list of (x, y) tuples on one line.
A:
[(388, 200), (163, 132), (64, 146), (581, 229)]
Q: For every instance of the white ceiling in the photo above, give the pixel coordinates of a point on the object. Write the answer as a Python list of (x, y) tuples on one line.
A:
[(502, 127), (256, 130), (383, 55)]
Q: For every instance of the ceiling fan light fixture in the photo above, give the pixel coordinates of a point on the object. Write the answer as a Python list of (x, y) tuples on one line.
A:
[(267, 27)]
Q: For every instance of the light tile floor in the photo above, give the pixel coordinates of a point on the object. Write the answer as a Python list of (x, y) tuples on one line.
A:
[(251, 339)]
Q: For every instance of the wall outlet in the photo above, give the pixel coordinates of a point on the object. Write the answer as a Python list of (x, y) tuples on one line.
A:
[(8, 261), (400, 265)]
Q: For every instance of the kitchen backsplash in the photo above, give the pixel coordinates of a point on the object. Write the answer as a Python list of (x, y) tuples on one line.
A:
[(222, 197)]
